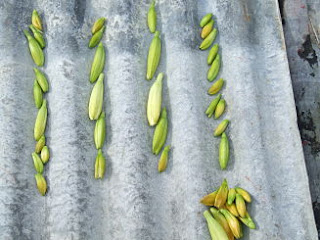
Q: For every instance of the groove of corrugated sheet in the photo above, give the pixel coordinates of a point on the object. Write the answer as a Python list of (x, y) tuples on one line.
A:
[(134, 201)]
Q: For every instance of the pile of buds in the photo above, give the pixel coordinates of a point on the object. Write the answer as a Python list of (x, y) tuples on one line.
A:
[(227, 209)]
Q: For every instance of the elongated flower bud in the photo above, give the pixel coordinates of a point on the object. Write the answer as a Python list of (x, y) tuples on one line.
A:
[(38, 36), (205, 19), (98, 63), (220, 108), (98, 25), (95, 39), (163, 161), (38, 165), (40, 144), (206, 43), (100, 131), (216, 230), (100, 165), (35, 49), (154, 55), (96, 99), (45, 154), (41, 121), (216, 87), (214, 69), (223, 222), (213, 53), (152, 18), (241, 205), (221, 128), (209, 199), (233, 209), (210, 110), (154, 101), (41, 79), (160, 133), (224, 151), (244, 194), (36, 20), (233, 223), (248, 221), (207, 29), (231, 196), (222, 195), (41, 184), (37, 94)]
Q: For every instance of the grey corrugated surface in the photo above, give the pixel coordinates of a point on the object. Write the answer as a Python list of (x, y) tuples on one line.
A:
[(134, 201), (302, 32)]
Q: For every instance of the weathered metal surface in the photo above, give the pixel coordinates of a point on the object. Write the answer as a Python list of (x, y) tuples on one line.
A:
[(302, 33), (134, 201)]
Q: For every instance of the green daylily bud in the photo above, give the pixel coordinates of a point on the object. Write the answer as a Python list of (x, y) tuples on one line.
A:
[(160, 133), (154, 101), (96, 99), (100, 165), (100, 131), (45, 154), (98, 63), (41, 121), (162, 165), (154, 55)]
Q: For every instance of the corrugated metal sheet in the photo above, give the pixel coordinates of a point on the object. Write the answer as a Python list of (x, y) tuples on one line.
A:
[(302, 32), (134, 201)]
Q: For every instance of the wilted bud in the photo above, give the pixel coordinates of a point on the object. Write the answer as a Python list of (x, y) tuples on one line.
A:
[(220, 108), (96, 99), (216, 87), (41, 184), (36, 20), (100, 131), (206, 30), (98, 63), (154, 55), (222, 195), (233, 223), (98, 25), (233, 209), (100, 165), (40, 144), (38, 165), (160, 133), (221, 128), (41, 121), (244, 194), (45, 154), (154, 101), (206, 43), (162, 165), (209, 199), (241, 205)]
